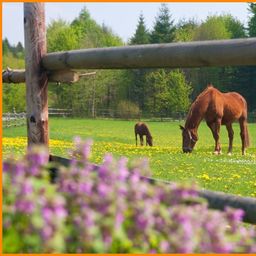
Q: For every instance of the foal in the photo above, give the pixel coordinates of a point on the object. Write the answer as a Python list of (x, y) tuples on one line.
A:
[(142, 129)]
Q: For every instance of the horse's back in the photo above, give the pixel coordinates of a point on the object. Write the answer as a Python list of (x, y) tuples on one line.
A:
[(235, 105), (214, 104), (141, 128), (235, 98), (228, 106)]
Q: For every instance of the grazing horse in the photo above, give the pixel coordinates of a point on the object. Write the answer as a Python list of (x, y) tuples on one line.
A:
[(142, 129), (217, 109)]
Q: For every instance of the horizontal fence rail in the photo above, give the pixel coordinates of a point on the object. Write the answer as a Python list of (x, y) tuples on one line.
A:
[(60, 76), (19, 119), (216, 200), (61, 112), (13, 119), (234, 52)]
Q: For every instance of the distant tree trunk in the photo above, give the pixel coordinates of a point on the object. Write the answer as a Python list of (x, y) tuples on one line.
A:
[(93, 100), (36, 77)]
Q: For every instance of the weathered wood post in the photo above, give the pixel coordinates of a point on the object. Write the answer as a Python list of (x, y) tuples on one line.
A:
[(36, 77)]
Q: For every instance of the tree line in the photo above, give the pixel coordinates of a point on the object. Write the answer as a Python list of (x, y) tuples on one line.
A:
[(155, 92)]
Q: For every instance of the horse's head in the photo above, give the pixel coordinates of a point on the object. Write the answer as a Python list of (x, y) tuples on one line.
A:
[(189, 139), (150, 140)]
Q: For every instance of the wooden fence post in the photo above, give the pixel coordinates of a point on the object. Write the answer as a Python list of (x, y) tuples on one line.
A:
[(36, 77)]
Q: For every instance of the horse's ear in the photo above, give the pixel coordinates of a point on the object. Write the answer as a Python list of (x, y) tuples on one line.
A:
[(182, 128)]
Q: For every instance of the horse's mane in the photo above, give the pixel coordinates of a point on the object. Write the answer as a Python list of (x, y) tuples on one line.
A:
[(198, 98)]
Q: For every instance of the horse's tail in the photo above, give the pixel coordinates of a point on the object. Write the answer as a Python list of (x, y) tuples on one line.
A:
[(246, 134), (135, 132)]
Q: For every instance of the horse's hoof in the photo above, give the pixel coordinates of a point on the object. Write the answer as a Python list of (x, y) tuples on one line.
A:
[(220, 152), (229, 154), (216, 152)]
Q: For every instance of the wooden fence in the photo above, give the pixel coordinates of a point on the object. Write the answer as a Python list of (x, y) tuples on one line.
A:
[(13, 119), (19, 119), (60, 112)]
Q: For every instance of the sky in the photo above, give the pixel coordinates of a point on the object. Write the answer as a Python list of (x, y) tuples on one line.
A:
[(122, 18)]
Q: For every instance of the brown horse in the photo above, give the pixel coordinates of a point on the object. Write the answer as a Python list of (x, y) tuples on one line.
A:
[(217, 109), (142, 129)]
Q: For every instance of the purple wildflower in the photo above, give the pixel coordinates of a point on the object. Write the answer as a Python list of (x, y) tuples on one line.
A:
[(47, 214), (24, 206), (105, 208)]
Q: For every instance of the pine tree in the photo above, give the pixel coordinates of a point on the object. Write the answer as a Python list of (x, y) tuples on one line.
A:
[(6, 46), (19, 47), (252, 20), (163, 31), (141, 35), (137, 87)]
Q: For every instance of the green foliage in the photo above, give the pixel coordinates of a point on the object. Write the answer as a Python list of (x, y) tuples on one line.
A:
[(90, 34), (252, 20), (128, 110), (87, 95), (163, 31), (220, 27), (180, 91), (212, 29), (243, 81), (234, 26), (16, 51), (136, 88), (103, 91), (141, 35), (185, 30), (6, 46), (109, 38), (84, 24), (13, 62), (60, 36), (168, 92), (14, 96)]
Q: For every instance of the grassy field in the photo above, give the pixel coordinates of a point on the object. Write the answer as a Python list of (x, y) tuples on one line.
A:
[(233, 174)]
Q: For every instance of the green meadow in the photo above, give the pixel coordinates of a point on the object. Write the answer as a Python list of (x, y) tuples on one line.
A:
[(232, 174)]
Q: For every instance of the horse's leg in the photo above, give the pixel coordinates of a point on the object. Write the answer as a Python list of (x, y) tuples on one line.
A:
[(136, 139), (230, 136), (215, 128), (242, 123), (217, 136), (211, 126), (141, 140)]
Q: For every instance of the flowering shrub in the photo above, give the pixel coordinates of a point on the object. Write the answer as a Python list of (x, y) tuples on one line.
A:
[(110, 208)]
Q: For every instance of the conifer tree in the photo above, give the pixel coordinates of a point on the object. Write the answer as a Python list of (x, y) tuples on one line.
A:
[(163, 31), (141, 35), (6, 46), (252, 20)]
